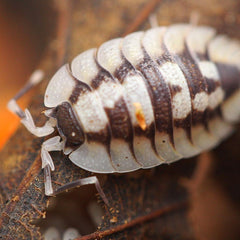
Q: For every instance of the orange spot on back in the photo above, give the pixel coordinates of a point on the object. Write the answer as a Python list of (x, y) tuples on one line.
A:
[(140, 116)]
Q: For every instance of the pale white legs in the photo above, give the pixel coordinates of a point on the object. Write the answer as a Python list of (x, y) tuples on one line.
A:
[(153, 20), (52, 144), (194, 19), (82, 182)]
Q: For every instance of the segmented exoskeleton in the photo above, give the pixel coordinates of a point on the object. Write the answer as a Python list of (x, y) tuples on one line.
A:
[(149, 98)]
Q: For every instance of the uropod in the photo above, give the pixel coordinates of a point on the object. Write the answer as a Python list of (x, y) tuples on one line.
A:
[(136, 102)]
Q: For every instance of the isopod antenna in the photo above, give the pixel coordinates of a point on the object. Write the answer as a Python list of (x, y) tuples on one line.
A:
[(26, 117)]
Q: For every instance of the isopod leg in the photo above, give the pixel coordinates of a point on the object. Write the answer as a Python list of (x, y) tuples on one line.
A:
[(52, 144), (82, 182), (48, 181), (194, 18), (153, 20), (26, 117)]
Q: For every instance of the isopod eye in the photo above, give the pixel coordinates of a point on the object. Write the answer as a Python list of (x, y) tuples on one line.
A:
[(69, 126)]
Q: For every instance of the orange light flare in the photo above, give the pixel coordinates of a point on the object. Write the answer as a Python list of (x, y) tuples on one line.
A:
[(21, 44)]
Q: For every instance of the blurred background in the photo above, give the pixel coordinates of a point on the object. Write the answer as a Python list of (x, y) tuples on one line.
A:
[(26, 27)]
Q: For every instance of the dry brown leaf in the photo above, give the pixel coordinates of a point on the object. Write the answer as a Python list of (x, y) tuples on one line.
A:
[(150, 204)]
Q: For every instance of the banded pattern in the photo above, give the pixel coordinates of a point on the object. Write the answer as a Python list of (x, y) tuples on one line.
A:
[(152, 97)]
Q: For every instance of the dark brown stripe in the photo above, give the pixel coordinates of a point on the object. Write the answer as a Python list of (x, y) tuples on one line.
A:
[(200, 117), (103, 136), (120, 123), (175, 89), (217, 112), (159, 94), (126, 70), (80, 88), (166, 57), (192, 73), (197, 83), (119, 117), (201, 56), (230, 78), (212, 85), (102, 76), (184, 123), (229, 81)]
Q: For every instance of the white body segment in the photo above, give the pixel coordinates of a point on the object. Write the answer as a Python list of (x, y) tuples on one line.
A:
[(200, 42), (132, 50), (197, 41), (59, 88), (109, 92), (109, 56), (89, 151), (152, 42)]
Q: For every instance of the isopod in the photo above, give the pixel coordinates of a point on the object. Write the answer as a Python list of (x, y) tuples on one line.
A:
[(136, 102)]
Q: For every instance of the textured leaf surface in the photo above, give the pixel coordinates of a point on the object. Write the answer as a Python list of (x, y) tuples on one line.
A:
[(187, 200)]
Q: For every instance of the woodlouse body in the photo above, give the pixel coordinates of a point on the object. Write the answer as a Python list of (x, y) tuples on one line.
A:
[(152, 97)]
